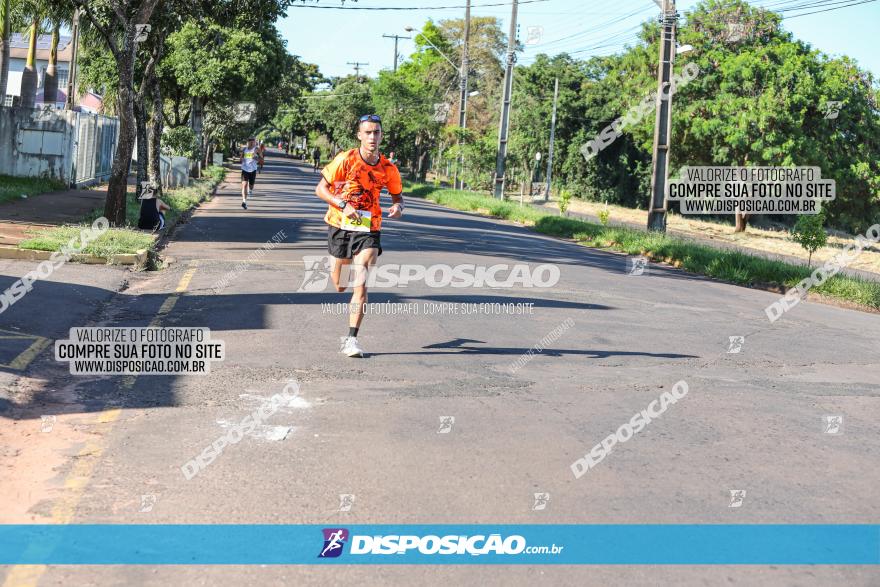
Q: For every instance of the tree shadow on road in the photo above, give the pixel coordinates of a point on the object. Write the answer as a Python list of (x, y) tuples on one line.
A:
[(466, 346)]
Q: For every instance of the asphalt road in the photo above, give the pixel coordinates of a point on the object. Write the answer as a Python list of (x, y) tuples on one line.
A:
[(378, 428)]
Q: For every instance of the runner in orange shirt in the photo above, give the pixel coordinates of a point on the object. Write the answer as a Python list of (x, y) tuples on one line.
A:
[(351, 184)]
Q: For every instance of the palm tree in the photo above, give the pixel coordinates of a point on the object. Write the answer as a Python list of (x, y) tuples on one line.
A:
[(29, 75), (50, 82), (41, 16), (57, 14)]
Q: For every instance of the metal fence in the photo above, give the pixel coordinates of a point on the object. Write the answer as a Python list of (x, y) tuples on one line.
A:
[(95, 146), (76, 148)]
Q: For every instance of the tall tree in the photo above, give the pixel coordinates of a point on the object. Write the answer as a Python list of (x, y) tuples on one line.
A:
[(116, 21)]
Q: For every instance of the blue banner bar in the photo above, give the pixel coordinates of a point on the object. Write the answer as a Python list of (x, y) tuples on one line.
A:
[(641, 544)]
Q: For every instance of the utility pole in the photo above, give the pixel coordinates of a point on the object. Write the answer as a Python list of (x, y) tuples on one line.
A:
[(505, 107), (462, 100), (395, 37), (552, 138), (663, 120), (357, 68), (71, 73)]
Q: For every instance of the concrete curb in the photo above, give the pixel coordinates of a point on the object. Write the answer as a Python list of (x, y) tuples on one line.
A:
[(138, 258)]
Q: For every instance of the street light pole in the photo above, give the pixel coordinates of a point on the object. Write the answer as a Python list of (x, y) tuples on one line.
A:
[(663, 121), (505, 107), (462, 71), (552, 138), (71, 73), (462, 101)]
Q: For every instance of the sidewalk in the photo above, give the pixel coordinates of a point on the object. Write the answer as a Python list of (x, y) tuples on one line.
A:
[(46, 210)]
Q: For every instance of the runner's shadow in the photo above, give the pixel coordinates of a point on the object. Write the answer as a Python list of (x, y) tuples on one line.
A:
[(460, 346)]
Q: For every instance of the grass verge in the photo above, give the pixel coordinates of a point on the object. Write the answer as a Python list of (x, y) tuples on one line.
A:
[(731, 266), (128, 239), (13, 188)]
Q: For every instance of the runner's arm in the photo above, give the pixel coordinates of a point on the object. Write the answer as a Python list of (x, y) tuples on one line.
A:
[(395, 190), (324, 193), (396, 209)]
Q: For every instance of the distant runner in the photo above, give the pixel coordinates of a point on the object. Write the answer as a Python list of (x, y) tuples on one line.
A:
[(262, 150), (316, 157), (249, 157), (351, 185)]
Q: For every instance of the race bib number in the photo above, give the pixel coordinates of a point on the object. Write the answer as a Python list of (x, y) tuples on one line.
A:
[(248, 155), (362, 225)]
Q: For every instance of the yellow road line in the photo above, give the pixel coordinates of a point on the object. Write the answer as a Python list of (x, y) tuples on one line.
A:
[(20, 362), (87, 459)]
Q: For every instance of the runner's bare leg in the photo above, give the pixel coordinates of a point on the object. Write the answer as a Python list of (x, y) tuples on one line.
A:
[(337, 272), (358, 307)]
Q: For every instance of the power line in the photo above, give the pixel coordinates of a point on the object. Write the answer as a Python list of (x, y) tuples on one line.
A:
[(622, 37), (594, 30), (829, 9), (409, 7)]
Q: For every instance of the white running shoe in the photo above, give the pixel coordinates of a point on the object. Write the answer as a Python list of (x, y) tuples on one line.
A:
[(350, 347)]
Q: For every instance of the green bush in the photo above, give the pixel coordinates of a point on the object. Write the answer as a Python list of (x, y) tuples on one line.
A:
[(604, 214), (809, 233), (180, 141), (564, 200)]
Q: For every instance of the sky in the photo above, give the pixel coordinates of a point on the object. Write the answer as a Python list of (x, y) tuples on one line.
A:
[(331, 38)]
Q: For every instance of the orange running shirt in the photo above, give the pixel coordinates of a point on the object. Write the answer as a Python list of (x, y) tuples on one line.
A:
[(359, 183)]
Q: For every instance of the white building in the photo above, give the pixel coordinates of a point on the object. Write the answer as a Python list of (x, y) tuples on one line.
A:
[(18, 49)]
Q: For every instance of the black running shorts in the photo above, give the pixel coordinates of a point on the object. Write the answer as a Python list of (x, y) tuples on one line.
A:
[(345, 244), (249, 176)]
